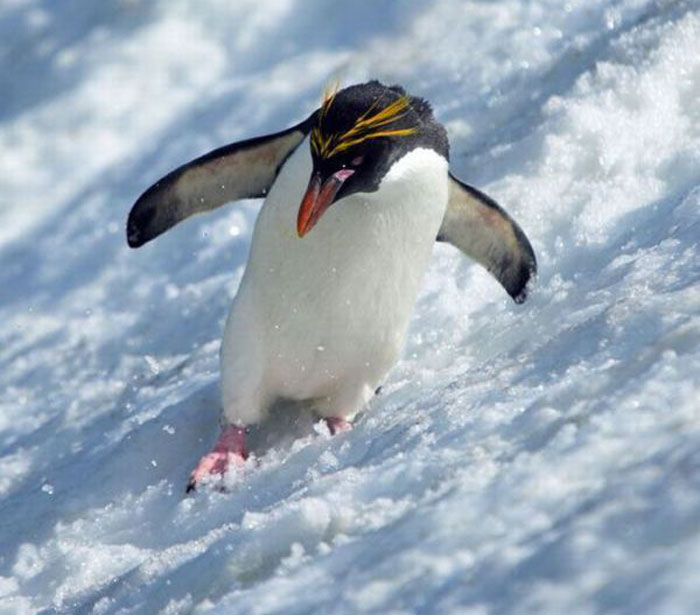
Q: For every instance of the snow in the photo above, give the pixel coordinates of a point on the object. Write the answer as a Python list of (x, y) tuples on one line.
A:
[(541, 458)]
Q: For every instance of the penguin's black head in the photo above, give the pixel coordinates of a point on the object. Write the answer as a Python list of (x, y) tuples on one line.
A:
[(357, 134)]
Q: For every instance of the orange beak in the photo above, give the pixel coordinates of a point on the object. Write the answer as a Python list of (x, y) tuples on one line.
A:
[(319, 197)]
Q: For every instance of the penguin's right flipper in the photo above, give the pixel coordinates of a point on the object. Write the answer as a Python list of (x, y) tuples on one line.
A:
[(240, 170), (480, 228)]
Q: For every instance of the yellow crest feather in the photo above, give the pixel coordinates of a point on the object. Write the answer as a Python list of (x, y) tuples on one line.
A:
[(328, 97), (366, 127)]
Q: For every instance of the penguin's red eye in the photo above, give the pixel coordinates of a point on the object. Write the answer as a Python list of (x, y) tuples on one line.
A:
[(357, 161)]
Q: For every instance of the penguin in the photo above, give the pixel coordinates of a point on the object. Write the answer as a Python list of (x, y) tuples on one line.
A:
[(355, 197)]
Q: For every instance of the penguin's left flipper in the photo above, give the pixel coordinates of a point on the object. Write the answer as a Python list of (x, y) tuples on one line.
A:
[(480, 228), (241, 170)]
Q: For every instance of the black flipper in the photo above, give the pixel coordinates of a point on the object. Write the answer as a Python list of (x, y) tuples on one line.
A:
[(480, 228), (240, 170)]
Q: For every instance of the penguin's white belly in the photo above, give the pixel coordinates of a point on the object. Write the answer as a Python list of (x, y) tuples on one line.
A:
[(324, 317)]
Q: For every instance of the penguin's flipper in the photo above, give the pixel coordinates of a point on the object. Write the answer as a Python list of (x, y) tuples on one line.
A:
[(480, 228), (240, 170)]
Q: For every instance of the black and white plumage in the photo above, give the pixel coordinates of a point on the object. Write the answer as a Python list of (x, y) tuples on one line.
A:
[(356, 196)]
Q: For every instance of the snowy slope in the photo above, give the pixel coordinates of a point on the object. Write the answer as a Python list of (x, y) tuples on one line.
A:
[(542, 458)]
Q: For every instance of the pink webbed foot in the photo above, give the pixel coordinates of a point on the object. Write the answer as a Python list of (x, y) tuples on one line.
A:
[(336, 424), (229, 449)]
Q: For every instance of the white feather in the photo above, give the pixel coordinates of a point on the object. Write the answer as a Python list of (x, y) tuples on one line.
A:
[(323, 317)]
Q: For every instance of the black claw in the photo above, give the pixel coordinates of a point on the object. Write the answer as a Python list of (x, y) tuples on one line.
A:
[(191, 486)]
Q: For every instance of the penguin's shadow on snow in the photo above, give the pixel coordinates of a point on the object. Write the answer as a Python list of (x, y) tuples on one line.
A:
[(286, 444), (287, 422), (160, 451), (242, 555)]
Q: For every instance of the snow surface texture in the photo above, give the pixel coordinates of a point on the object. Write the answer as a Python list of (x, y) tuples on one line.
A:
[(542, 458)]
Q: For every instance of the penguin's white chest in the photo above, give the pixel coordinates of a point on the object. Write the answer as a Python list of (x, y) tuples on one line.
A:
[(330, 310)]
